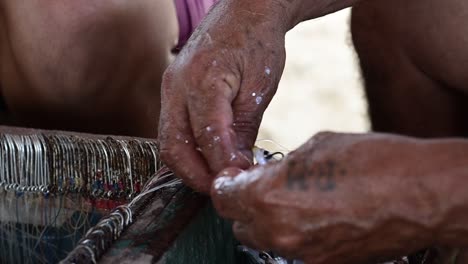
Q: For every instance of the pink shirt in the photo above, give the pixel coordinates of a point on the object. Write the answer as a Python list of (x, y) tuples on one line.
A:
[(190, 13)]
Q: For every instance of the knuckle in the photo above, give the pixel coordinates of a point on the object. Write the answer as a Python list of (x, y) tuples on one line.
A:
[(168, 76), (320, 140), (165, 156), (246, 125), (246, 121), (167, 84), (206, 131), (164, 134), (196, 63), (257, 200), (324, 135), (168, 155), (212, 67), (197, 59)]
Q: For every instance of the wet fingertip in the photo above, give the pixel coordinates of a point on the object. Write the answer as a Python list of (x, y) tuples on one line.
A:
[(224, 183)]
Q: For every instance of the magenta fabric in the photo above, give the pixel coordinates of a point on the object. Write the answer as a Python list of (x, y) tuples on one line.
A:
[(190, 13)]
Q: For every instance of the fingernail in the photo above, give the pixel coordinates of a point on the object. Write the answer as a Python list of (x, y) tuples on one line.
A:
[(225, 181), (221, 185), (233, 179)]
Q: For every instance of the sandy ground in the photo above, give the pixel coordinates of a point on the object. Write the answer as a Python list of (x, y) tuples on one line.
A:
[(321, 88)]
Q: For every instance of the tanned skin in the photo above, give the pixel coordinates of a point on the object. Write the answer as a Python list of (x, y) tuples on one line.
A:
[(93, 66), (340, 198)]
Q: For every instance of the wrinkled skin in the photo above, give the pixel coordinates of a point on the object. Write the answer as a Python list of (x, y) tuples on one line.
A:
[(344, 198), (215, 93), (339, 198)]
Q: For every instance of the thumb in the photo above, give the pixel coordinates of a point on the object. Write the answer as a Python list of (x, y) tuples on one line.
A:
[(227, 193)]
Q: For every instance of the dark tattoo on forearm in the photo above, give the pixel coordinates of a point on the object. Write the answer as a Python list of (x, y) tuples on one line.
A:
[(325, 174), (302, 176), (296, 177)]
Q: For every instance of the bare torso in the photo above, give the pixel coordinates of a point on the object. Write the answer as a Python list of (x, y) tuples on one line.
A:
[(85, 65), (414, 56)]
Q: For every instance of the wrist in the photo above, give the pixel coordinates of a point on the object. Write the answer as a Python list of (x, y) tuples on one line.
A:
[(424, 184), (447, 177), (277, 15), (433, 192), (303, 10)]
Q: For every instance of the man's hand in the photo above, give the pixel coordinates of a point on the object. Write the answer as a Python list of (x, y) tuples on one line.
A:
[(215, 93), (343, 198)]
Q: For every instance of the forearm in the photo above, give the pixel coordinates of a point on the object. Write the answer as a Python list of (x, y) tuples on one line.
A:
[(419, 187), (303, 10), (447, 177), (428, 182), (286, 14), (432, 190)]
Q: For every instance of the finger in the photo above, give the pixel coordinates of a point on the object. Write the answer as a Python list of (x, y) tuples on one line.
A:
[(246, 125), (248, 110), (178, 152), (232, 193), (211, 118), (259, 86), (178, 147), (225, 192)]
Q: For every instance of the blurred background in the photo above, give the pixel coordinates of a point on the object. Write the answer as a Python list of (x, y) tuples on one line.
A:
[(321, 88)]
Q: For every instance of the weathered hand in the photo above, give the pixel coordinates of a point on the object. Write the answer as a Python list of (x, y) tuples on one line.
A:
[(340, 198), (215, 93)]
